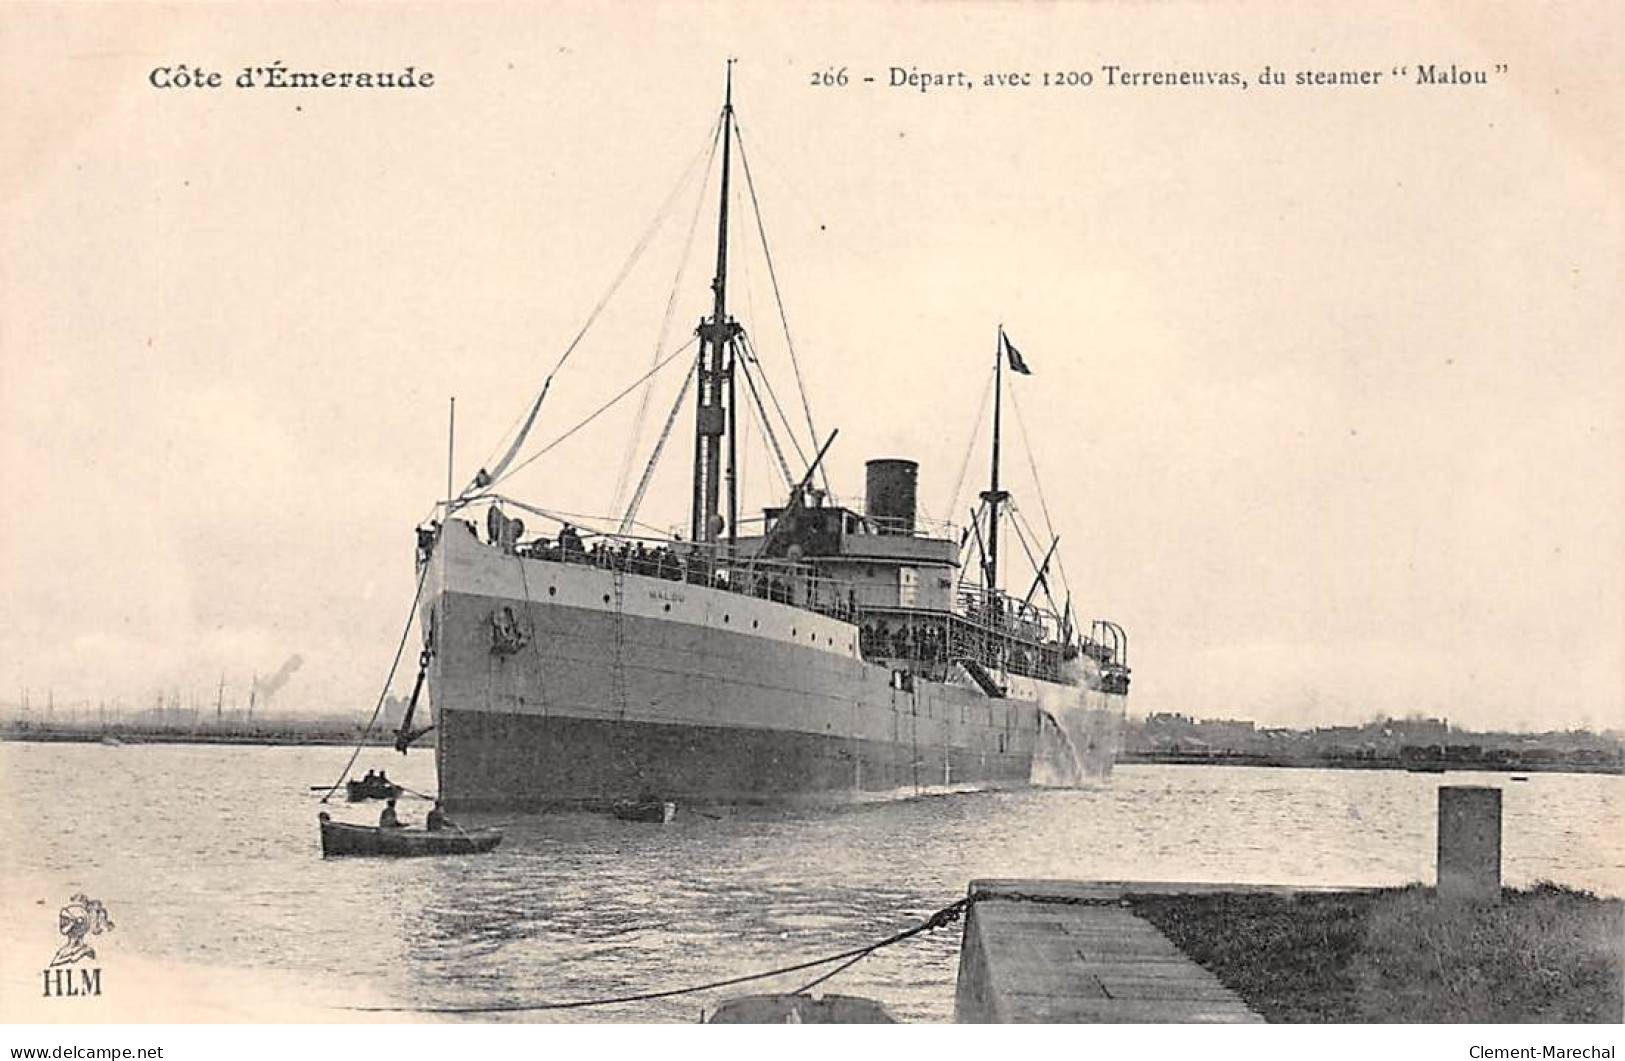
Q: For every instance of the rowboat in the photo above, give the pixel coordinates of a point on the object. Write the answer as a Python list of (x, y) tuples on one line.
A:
[(341, 838), (358, 790), (645, 810)]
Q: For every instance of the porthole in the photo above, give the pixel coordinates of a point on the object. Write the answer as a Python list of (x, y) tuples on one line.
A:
[(725, 617), (792, 631), (552, 591), (754, 624), (667, 607), (606, 598)]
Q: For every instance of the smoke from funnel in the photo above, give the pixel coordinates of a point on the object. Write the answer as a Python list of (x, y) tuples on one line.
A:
[(267, 687)]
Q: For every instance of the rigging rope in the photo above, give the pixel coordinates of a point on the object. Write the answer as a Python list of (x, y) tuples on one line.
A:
[(384, 692), (946, 916), (511, 472), (970, 443), (655, 224), (578, 519), (660, 444), (767, 384), (1019, 521), (665, 322), (784, 318), (767, 426), (1038, 486)]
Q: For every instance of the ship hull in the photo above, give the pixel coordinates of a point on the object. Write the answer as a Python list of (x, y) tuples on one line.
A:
[(525, 762), (560, 684)]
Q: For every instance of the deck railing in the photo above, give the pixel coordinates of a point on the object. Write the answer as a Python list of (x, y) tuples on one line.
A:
[(694, 563), (997, 630)]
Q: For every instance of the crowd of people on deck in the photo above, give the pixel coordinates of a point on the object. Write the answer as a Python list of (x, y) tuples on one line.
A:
[(679, 563), (660, 561), (934, 643), (923, 642)]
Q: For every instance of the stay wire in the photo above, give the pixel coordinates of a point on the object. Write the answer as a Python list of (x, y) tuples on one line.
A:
[(970, 443), (767, 384), (778, 297), (767, 425), (631, 514), (1038, 486), (665, 323), (655, 224), (634, 385)]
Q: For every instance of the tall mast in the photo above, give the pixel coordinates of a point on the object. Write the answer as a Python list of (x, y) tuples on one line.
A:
[(713, 415), (993, 495)]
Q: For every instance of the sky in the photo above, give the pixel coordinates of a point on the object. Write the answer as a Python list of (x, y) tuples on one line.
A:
[(1327, 381)]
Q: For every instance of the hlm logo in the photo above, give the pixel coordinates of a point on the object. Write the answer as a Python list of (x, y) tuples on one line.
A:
[(61, 983), (83, 916)]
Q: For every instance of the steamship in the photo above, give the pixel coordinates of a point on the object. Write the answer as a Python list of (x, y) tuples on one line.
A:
[(836, 651)]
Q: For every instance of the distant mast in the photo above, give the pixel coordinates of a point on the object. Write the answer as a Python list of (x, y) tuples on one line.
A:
[(714, 412), (993, 495)]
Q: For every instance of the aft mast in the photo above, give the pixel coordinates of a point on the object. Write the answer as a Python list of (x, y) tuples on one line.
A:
[(993, 495), (714, 413)]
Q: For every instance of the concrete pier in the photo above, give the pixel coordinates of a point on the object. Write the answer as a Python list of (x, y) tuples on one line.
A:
[(1063, 952), (1470, 843)]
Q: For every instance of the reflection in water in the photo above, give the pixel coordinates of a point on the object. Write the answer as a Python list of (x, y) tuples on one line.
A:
[(208, 857)]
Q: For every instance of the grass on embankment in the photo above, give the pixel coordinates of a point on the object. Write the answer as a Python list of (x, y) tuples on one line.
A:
[(1545, 954)]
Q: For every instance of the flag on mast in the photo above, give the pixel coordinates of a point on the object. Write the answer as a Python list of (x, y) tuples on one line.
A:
[(1016, 362)]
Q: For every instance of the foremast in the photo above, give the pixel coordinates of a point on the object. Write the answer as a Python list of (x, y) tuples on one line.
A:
[(714, 415)]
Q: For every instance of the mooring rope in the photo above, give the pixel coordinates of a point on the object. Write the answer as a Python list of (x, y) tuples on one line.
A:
[(946, 916), (389, 679)]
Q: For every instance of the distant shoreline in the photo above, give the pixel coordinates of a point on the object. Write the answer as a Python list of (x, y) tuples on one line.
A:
[(273, 739), (1353, 763), (384, 739)]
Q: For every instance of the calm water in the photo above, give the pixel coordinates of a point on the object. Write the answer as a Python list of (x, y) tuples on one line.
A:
[(208, 859)]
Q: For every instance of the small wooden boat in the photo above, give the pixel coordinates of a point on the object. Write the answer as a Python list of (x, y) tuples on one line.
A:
[(358, 790), (341, 838), (645, 810)]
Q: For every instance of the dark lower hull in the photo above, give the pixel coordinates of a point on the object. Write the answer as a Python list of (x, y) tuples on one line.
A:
[(530, 762)]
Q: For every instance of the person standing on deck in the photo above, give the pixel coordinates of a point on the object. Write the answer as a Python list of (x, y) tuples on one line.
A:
[(436, 820)]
